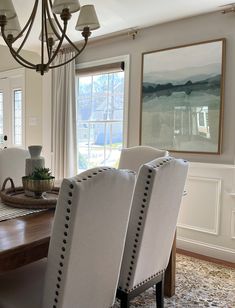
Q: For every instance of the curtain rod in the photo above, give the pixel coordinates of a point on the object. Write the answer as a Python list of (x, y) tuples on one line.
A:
[(133, 32), (124, 33)]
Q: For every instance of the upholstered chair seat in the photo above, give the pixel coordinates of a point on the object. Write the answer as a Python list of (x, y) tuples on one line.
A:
[(151, 229), (85, 250), (132, 158)]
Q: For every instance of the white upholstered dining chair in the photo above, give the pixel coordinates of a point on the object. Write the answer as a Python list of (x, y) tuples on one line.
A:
[(85, 250), (151, 229), (12, 164), (132, 158)]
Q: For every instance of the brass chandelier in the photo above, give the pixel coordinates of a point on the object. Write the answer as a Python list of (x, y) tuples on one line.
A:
[(52, 30)]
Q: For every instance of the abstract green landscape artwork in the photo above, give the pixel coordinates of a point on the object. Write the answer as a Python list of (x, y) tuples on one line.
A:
[(182, 98)]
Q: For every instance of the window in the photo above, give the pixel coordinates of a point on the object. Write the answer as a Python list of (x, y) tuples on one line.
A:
[(12, 108), (203, 124), (100, 114)]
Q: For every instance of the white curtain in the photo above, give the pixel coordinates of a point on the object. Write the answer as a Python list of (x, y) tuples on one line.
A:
[(64, 118)]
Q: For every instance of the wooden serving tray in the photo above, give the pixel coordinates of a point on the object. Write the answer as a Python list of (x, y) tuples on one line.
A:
[(15, 196)]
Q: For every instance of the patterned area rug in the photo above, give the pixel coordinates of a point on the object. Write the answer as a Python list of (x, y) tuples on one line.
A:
[(198, 284)]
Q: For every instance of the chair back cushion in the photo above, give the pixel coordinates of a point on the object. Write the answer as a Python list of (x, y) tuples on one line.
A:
[(132, 158), (155, 207), (88, 239), (12, 164)]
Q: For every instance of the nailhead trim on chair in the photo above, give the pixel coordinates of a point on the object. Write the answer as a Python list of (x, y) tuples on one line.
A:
[(139, 226), (144, 281), (66, 226), (63, 248)]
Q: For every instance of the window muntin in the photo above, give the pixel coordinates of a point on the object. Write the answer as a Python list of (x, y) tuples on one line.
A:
[(17, 117)]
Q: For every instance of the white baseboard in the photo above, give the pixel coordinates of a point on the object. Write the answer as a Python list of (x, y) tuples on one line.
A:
[(209, 250)]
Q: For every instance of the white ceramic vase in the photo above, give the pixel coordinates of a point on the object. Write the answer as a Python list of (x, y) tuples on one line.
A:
[(35, 151), (36, 161)]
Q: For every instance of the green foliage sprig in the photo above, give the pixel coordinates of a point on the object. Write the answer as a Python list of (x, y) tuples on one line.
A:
[(41, 174)]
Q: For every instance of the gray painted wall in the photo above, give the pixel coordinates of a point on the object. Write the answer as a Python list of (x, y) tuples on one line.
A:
[(7, 62), (186, 31), (33, 93)]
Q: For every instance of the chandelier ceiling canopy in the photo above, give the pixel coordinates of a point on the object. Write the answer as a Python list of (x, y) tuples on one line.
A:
[(53, 31)]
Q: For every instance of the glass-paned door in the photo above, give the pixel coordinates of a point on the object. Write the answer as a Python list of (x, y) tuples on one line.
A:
[(11, 109)]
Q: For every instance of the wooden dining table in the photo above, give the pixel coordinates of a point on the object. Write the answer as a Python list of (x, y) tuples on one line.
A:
[(26, 239)]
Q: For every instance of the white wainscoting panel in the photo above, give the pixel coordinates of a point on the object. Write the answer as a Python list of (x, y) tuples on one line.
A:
[(200, 208), (206, 249)]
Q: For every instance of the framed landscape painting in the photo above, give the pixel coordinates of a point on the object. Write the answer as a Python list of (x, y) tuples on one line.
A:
[(182, 98)]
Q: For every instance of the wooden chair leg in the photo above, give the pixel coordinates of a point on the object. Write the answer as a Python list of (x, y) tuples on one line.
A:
[(160, 294)]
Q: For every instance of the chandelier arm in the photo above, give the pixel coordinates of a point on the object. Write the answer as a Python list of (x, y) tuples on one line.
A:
[(69, 41), (15, 55), (42, 40), (60, 28), (47, 40), (59, 45), (72, 44), (56, 20), (30, 20), (66, 37), (26, 35), (50, 46), (45, 12), (66, 62)]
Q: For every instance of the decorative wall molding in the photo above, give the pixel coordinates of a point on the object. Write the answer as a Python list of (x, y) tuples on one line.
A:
[(190, 206), (206, 249), (211, 166), (233, 225)]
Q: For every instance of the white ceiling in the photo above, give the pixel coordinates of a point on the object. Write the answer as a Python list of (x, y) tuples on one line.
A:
[(119, 15)]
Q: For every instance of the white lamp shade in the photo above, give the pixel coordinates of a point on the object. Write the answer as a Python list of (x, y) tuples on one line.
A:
[(12, 27), (7, 9), (87, 18), (50, 32), (59, 5)]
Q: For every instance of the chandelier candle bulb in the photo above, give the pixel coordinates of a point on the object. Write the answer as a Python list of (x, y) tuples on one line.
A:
[(52, 31)]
